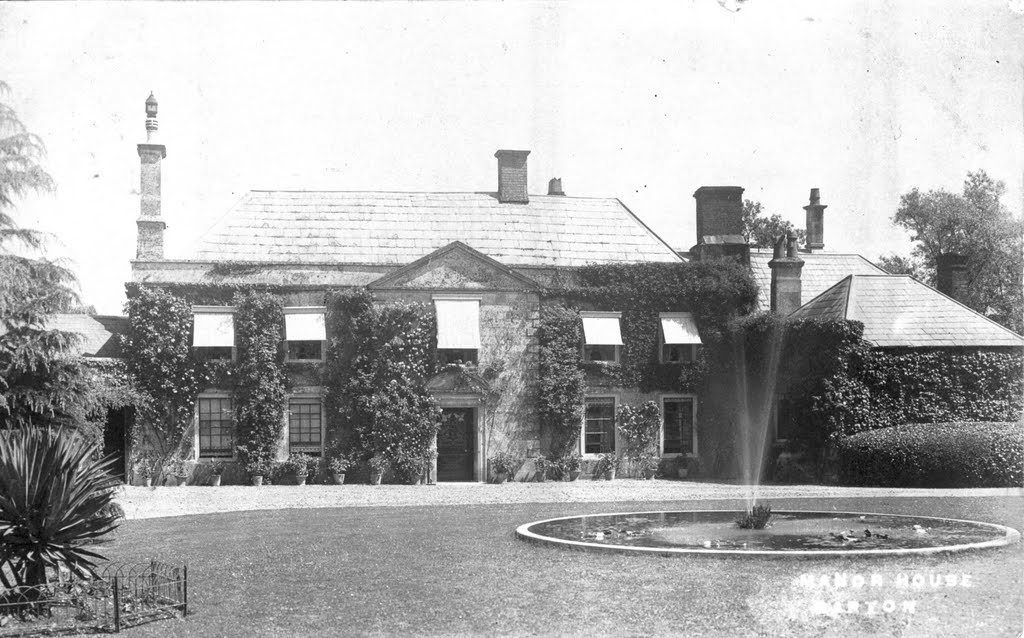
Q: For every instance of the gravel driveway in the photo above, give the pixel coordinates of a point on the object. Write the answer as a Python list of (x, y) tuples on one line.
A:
[(142, 502)]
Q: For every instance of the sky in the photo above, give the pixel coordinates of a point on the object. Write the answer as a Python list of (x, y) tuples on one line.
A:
[(641, 101)]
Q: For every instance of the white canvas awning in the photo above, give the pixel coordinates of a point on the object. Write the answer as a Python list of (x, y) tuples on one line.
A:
[(679, 328), (213, 329), (601, 329), (305, 326), (458, 323)]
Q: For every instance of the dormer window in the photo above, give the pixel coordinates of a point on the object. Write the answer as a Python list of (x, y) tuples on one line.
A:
[(602, 338), (305, 333), (458, 329), (679, 337), (213, 332)]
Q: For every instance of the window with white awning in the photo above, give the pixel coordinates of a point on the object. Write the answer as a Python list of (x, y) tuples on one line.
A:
[(458, 328), (602, 336), (213, 328), (305, 331), (679, 337)]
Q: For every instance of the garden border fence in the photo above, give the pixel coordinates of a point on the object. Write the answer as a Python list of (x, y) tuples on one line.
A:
[(124, 595)]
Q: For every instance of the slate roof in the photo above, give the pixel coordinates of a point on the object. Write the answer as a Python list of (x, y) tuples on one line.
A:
[(99, 332), (397, 228), (899, 311), (820, 272)]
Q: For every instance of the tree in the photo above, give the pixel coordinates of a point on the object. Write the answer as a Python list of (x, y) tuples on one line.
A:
[(898, 265), (977, 226), (38, 382), (762, 232)]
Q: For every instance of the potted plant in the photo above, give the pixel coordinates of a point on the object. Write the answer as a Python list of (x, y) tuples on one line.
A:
[(298, 465), (571, 466), (541, 466), (606, 466), (216, 469), (258, 469), (146, 471), (378, 465), (338, 465), (504, 466), (648, 465), (178, 470)]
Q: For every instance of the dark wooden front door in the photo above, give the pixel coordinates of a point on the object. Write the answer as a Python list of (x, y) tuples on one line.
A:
[(456, 444)]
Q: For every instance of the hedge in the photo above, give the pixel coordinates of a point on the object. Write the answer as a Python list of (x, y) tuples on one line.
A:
[(962, 454)]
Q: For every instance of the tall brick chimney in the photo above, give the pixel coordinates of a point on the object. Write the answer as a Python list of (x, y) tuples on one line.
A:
[(786, 266), (951, 275), (719, 211), (815, 221), (512, 177), (150, 243), (720, 224)]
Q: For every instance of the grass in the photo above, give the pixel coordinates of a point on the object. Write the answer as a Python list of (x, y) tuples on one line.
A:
[(450, 570)]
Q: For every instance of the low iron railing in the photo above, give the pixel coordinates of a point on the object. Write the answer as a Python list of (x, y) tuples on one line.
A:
[(124, 595)]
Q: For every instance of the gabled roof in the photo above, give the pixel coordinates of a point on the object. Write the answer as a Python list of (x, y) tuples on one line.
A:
[(99, 332), (821, 271), (899, 311), (397, 228)]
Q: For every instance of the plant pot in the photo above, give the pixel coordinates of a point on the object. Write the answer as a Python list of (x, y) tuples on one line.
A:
[(609, 475), (300, 479), (683, 472), (215, 480), (147, 482), (376, 477), (650, 474), (572, 475), (182, 480), (257, 480), (339, 478), (500, 477)]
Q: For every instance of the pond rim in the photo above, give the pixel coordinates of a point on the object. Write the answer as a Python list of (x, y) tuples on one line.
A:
[(1010, 536)]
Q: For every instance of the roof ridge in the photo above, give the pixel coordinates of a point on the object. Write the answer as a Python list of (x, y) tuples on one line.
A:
[(401, 192), (649, 230)]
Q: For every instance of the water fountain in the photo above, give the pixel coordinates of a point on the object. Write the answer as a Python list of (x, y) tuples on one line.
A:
[(760, 531)]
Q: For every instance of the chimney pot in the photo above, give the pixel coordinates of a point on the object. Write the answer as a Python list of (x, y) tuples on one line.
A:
[(512, 177), (555, 186)]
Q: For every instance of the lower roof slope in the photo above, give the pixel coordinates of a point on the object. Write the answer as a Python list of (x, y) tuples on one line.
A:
[(899, 311), (397, 228), (99, 333), (820, 272)]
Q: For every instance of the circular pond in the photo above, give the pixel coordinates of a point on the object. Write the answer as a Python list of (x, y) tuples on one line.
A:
[(790, 533)]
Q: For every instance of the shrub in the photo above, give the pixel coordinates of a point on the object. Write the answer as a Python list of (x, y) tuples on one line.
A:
[(55, 497), (301, 465), (506, 463), (935, 455), (606, 463)]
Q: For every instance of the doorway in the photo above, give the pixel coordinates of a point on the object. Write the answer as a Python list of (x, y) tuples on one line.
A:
[(456, 444)]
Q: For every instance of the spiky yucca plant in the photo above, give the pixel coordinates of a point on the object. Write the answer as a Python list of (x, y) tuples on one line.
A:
[(55, 497)]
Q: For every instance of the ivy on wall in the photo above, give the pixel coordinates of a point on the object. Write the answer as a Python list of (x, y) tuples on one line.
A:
[(259, 379), (159, 359), (380, 357), (713, 291), (561, 380)]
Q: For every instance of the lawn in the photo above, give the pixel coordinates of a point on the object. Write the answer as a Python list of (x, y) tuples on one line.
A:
[(459, 570)]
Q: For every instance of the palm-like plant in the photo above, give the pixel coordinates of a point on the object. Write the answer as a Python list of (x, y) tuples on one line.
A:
[(54, 499)]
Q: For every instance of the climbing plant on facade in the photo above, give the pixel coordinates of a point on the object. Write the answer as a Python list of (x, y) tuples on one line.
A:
[(259, 378), (158, 354), (381, 356)]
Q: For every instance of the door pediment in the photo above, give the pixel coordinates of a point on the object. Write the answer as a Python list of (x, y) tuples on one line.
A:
[(455, 267)]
